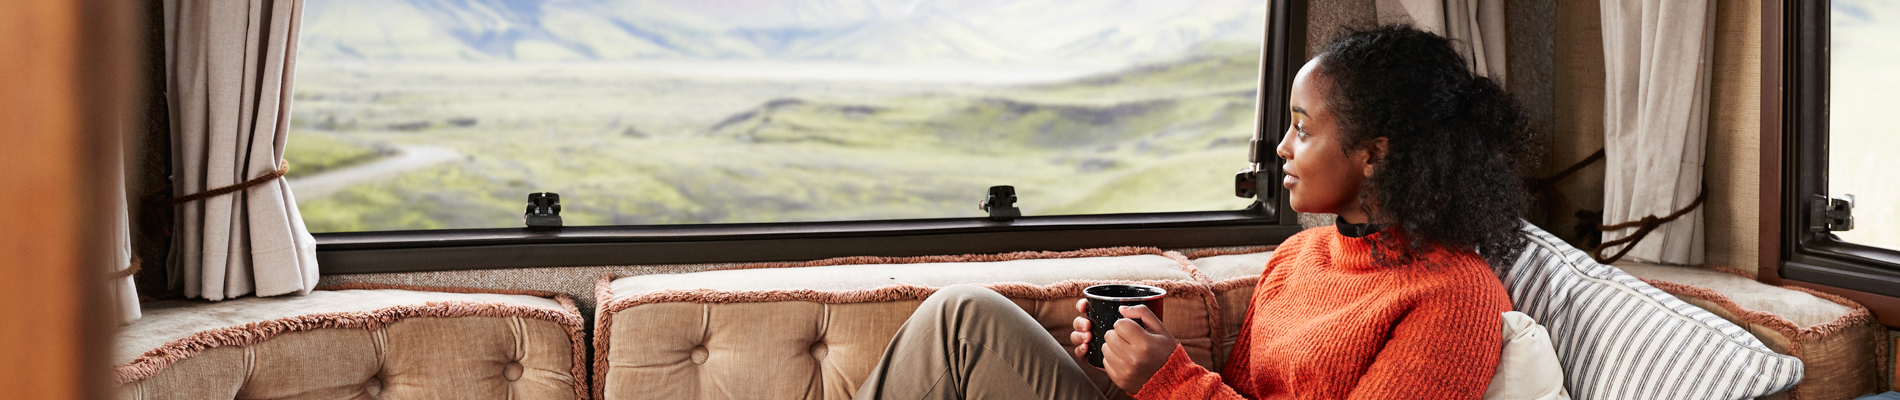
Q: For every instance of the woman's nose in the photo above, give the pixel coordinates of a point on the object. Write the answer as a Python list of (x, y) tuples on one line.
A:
[(1285, 149)]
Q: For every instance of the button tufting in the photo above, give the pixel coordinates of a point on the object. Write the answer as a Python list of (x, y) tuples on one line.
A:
[(512, 371), (819, 350), (374, 387), (700, 354)]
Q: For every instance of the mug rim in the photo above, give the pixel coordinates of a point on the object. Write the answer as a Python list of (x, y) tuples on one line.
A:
[(1092, 296)]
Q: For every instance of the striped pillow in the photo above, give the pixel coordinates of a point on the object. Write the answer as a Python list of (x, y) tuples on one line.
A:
[(1619, 338)]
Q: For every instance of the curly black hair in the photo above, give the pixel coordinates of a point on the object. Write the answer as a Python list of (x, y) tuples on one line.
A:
[(1455, 142)]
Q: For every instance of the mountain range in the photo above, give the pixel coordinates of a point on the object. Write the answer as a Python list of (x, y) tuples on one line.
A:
[(875, 31)]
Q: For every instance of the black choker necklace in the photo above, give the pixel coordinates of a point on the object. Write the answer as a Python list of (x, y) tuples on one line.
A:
[(1353, 230)]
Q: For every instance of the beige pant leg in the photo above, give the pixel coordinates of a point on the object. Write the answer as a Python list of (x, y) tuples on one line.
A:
[(967, 342)]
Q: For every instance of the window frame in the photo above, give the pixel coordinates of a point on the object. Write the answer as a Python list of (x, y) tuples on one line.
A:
[(1269, 220), (1795, 79)]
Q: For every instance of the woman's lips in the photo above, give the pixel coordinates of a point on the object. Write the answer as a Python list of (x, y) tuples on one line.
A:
[(1289, 180)]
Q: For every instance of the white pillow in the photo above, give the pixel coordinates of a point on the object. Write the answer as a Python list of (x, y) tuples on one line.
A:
[(1528, 367), (1619, 338)]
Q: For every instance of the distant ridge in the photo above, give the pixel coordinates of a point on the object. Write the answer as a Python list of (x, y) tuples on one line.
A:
[(877, 31)]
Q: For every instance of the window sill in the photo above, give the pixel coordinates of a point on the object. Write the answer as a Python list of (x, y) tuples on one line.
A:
[(463, 249)]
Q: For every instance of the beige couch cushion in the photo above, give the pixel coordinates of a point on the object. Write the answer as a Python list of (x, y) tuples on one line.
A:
[(352, 342), (788, 332), (1528, 368), (1835, 338), (1232, 275)]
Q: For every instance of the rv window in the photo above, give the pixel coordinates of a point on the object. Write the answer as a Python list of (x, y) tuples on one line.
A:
[(446, 115), (1837, 143), (687, 131), (1861, 120)]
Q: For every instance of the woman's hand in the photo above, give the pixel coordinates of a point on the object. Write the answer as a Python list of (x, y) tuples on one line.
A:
[(1131, 353)]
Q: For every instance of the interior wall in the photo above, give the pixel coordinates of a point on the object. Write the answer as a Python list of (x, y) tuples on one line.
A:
[(1732, 169), (1324, 18), (1577, 130), (1530, 58)]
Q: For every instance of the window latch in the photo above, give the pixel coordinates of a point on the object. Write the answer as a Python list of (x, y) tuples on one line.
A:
[(544, 211), (1247, 183), (1827, 214), (1001, 204)]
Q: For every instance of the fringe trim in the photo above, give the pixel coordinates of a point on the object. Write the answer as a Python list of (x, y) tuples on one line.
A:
[(156, 360), (603, 293), (1188, 267), (439, 289), (1857, 314), (1205, 253), (899, 292), (1020, 255)]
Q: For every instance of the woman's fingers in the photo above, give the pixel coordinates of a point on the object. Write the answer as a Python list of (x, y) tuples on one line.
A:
[(1148, 319), (1082, 306), (1133, 353)]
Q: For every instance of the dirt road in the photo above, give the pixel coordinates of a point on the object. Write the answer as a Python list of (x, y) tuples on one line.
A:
[(407, 158)]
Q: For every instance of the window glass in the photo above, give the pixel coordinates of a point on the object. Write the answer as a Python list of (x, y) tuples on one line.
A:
[(431, 114), (1864, 124)]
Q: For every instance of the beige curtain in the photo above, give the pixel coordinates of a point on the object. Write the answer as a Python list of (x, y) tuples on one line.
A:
[(1656, 107), (229, 65), (1476, 26), (121, 292)]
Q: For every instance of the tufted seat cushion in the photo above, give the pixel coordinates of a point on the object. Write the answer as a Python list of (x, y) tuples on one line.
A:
[(1836, 339), (815, 330), (356, 342), (1233, 275)]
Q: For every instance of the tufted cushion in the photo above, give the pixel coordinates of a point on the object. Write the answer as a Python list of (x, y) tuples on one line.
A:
[(1835, 338), (1232, 276), (785, 331), (1620, 338), (362, 341), (1527, 367)]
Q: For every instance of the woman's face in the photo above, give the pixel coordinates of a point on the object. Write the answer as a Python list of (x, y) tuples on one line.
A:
[(1320, 174)]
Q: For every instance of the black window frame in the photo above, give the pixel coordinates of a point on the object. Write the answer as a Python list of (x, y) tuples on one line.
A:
[(1269, 220), (1817, 258)]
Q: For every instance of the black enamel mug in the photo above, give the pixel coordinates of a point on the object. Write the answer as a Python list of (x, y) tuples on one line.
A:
[(1105, 302)]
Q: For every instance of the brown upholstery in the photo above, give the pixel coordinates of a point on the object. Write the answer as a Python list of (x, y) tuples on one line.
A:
[(815, 332), (1835, 338), (356, 344)]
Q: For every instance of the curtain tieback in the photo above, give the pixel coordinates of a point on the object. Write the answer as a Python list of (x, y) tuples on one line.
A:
[(282, 168), (1643, 227), (130, 270)]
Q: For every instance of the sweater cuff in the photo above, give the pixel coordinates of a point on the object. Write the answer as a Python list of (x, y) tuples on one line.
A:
[(1179, 370)]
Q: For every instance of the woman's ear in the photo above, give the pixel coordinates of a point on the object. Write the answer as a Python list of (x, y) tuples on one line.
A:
[(1375, 154)]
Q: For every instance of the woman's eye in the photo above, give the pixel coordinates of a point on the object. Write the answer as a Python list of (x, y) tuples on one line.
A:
[(1301, 128)]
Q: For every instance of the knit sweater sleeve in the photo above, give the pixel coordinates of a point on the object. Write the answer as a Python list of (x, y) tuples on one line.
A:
[(1446, 347), (1181, 378)]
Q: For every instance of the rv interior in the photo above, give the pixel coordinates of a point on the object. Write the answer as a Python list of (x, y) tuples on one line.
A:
[(617, 199)]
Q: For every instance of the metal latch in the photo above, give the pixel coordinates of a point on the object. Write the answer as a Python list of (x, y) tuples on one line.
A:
[(1247, 183), (544, 211), (1001, 204), (1830, 213)]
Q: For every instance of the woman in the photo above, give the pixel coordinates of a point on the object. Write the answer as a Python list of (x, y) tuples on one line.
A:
[(1416, 156)]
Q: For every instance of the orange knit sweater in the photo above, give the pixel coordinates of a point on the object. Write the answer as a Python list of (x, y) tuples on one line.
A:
[(1326, 324)]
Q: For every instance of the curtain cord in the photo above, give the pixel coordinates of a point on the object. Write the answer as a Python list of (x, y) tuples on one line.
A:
[(283, 167), (1643, 227)]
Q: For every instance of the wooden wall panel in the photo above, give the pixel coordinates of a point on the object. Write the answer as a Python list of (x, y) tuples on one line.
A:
[(62, 66)]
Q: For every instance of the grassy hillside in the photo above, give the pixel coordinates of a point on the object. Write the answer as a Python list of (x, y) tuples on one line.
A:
[(663, 150)]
